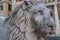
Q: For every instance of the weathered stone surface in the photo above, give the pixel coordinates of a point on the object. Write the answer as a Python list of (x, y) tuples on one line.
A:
[(29, 21)]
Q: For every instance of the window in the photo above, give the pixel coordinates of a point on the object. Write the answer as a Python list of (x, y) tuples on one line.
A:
[(49, 0), (18, 0), (10, 7), (1, 7), (58, 6), (45, 1), (9, 0), (59, 0)]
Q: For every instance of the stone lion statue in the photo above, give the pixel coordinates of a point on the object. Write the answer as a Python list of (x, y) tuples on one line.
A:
[(30, 22)]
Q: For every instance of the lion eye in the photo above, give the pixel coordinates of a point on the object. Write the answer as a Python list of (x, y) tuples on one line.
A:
[(41, 12)]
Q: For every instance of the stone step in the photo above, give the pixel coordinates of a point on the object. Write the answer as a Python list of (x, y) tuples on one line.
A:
[(53, 38)]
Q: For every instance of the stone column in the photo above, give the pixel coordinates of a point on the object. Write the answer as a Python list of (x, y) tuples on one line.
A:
[(56, 19)]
